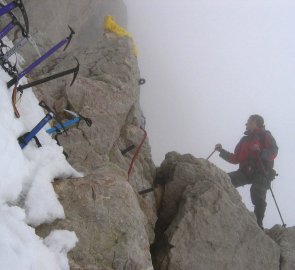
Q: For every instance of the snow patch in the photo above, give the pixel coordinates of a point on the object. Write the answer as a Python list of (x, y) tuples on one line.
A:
[(26, 193), (60, 242)]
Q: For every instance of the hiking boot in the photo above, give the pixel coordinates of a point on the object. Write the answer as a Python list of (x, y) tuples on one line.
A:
[(260, 224), (259, 213)]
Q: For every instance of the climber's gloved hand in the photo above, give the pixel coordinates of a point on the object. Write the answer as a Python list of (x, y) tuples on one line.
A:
[(218, 147)]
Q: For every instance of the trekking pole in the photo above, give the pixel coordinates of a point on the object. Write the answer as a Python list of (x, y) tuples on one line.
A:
[(265, 174), (211, 154), (284, 224)]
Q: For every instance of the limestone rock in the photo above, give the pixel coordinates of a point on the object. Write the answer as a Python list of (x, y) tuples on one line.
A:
[(285, 238), (109, 103), (49, 22), (204, 225), (107, 92), (104, 212)]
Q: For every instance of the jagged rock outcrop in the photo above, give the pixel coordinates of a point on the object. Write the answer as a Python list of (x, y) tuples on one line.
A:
[(285, 238), (203, 224), (116, 234), (107, 92), (104, 212)]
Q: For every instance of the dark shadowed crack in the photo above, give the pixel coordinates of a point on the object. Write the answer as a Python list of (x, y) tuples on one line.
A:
[(281, 262), (161, 246)]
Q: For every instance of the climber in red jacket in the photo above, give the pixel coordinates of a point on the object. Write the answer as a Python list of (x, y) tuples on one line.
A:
[(255, 154)]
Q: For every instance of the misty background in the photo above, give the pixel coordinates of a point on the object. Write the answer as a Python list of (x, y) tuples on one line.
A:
[(210, 64)]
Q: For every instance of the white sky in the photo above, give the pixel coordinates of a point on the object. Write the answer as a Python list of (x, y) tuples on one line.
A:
[(210, 64)]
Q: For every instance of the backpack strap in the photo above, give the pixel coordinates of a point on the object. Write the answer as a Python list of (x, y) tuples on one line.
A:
[(269, 150)]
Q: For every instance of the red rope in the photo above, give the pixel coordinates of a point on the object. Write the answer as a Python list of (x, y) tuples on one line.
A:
[(137, 151)]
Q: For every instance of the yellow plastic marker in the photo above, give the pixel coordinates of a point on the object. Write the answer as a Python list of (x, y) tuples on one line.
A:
[(111, 26)]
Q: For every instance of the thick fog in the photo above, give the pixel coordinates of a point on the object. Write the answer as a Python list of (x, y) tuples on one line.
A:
[(210, 64)]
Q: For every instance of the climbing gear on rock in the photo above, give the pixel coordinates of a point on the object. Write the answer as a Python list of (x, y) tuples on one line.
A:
[(142, 192), (128, 149), (9, 7), (141, 81), (57, 128), (19, 43), (22, 141), (5, 64), (9, 68), (20, 88), (14, 21), (135, 156), (137, 151), (27, 137), (78, 117), (74, 70), (65, 41), (14, 101)]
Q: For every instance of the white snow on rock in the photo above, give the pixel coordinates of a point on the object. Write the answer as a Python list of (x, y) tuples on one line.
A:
[(60, 242), (26, 193)]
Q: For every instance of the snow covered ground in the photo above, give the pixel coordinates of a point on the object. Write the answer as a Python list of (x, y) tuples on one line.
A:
[(27, 198)]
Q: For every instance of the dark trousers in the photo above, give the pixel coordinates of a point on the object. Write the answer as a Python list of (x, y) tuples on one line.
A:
[(258, 191)]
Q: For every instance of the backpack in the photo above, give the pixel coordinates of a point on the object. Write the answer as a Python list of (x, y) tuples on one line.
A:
[(273, 147)]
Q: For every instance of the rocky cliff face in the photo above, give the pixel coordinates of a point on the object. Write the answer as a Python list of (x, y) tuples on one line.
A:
[(286, 240), (203, 224), (115, 225), (201, 221)]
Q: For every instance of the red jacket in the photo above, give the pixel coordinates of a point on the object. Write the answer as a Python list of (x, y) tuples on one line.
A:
[(249, 159)]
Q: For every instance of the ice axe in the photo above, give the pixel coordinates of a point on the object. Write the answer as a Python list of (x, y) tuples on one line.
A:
[(77, 118), (14, 22), (74, 70), (27, 70), (27, 137)]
